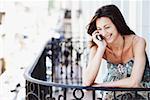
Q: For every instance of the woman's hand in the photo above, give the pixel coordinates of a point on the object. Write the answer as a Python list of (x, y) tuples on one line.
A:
[(100, 43), (97, 84)]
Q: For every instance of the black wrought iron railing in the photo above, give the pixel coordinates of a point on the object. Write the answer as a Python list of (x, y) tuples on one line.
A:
[(57, 75)]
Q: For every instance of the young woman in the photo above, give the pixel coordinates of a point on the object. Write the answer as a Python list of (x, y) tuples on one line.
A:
[(124, 51)]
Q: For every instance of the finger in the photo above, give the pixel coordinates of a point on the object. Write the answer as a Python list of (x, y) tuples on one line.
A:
[(95, 32)]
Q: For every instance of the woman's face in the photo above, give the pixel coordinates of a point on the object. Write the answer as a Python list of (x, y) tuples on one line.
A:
[(107, 29)]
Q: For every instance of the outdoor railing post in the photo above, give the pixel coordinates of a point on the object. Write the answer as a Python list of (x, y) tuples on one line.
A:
[(93, 94)]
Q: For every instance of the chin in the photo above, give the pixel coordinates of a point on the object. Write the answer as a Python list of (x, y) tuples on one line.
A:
[(110, 41)]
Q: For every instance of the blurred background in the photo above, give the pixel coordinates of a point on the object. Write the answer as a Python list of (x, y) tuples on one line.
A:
[(25, 25)]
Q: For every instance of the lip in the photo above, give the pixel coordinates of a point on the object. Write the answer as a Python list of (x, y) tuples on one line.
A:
[(108, 37)]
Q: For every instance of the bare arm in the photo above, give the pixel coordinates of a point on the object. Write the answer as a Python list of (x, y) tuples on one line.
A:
[(138, 68), (95, 57), (91, 71)]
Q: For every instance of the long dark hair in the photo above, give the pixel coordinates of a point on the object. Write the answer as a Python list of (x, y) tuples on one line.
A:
[(112, 12)]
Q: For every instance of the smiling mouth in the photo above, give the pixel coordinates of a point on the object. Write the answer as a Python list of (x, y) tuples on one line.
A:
[(108, 37)]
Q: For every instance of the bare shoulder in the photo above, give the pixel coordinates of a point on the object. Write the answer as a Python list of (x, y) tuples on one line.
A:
[(133, 40), (138, 41)]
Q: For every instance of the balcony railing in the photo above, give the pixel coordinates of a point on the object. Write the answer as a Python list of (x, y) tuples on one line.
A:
[(57, 75)]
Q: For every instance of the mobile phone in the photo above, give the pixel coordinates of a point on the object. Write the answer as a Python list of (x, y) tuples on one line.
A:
[(99, 37)]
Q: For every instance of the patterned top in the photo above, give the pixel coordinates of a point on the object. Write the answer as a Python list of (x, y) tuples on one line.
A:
[(117, 72)]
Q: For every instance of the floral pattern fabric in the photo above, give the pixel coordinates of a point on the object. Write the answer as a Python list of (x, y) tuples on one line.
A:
[(120, 71)]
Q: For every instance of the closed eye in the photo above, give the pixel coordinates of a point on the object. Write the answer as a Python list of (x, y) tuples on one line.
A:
[(107, 27)]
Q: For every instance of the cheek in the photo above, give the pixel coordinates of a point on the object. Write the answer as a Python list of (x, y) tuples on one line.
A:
[(111, 30), (114, 31)]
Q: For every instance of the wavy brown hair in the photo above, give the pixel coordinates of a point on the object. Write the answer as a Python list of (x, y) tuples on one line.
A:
[(112, 12)]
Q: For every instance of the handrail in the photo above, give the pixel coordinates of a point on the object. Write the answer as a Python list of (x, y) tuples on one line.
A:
[(28, 77), (39, 82)]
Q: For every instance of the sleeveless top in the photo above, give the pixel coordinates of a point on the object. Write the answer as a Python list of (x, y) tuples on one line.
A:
[(117, 72), (120, 71)]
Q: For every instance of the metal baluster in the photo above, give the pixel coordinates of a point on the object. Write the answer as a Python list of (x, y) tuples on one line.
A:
[(66, 54), (93, 94), (52, 49), (79, 52), (27, 89), (148, 95), (62, 63), (65, 93), (136, 94), (71, 62), (76, 95), (114, 95)]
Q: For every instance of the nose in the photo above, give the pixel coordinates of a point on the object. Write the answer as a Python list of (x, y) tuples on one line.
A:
[(103, 32)]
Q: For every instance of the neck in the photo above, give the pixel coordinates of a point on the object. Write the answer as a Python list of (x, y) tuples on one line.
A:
[(117, 44)]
